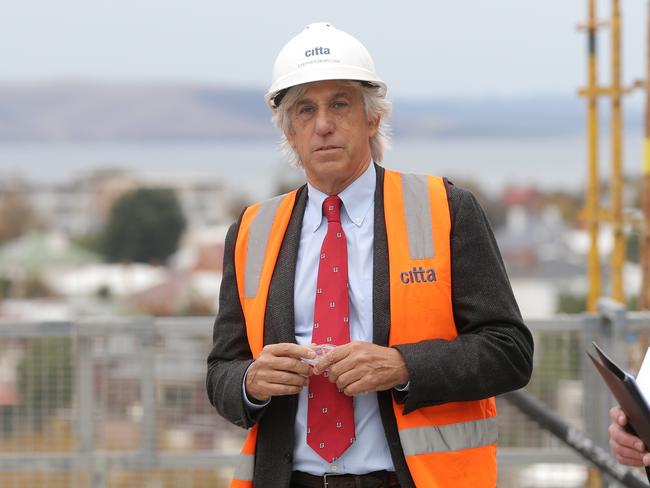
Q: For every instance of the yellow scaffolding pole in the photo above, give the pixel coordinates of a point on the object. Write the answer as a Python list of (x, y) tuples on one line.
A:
[(592, 198), (619, 251), (644, 293)]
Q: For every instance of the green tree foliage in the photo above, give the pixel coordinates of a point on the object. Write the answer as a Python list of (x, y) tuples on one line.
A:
[(571, 303), (92, 242), (145, 225), (45, 377)]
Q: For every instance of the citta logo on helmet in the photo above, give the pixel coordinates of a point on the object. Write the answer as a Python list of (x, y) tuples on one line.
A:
[(316, 51)]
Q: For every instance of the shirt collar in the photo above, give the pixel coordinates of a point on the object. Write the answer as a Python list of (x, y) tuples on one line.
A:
[(357, 200)]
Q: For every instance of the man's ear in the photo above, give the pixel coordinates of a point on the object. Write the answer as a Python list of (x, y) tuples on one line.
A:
[(374, 125)]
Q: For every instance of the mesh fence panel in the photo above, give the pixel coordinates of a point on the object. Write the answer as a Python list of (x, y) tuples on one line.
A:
[(556, 381), (116, 407), (37, 407)]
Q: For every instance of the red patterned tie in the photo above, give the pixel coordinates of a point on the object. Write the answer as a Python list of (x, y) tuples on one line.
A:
[(330, 414)]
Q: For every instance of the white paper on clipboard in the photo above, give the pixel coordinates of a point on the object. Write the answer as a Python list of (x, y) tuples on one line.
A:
[(643, 378)]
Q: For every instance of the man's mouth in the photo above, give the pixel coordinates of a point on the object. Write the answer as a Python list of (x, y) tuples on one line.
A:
[(327, 148)]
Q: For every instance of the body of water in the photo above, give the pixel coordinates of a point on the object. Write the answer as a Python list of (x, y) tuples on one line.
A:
[(255, 168)]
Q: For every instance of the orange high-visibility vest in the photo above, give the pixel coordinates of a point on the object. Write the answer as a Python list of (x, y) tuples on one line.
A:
[(448, 445)]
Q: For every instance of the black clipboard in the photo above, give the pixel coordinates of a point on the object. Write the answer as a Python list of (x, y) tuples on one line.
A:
[(628, 395)]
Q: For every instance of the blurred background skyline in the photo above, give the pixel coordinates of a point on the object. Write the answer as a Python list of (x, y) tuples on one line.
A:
[(421, 48), (98, 100), (485, 91)]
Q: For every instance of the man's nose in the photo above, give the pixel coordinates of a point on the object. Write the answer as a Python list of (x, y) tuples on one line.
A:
[(324, 122)]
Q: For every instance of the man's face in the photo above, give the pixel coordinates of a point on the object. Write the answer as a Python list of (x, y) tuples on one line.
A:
[(331, 134)]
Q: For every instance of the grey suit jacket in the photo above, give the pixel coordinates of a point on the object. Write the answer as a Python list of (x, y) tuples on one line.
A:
[(492, 354)]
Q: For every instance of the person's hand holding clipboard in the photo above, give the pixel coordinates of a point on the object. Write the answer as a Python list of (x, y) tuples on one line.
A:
[(631, 419), (626, 446)]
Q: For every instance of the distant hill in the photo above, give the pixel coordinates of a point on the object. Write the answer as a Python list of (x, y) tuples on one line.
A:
[(94, 111)]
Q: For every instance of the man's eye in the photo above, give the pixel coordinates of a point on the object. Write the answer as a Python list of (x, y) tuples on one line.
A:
[(306, 109), (340, 104)]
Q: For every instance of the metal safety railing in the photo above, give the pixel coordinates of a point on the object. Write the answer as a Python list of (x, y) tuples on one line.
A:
[(121, 402)]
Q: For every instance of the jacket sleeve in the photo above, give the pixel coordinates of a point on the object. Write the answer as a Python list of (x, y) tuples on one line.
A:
[(493, 351), (231, 354)]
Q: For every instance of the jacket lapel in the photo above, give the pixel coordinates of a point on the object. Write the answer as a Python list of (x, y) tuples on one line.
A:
[(279, 319), (380, 285)]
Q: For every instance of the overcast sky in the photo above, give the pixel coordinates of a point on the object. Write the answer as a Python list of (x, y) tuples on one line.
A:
[(421, 48)]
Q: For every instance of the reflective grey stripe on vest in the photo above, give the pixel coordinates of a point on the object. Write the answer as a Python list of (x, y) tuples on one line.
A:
[(445, 438), (417, 210), (245, 467), (258, 237)]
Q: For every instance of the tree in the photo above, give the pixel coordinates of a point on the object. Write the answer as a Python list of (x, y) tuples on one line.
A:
[(16, 216), (571, 303), (145, 225), (45, 377)]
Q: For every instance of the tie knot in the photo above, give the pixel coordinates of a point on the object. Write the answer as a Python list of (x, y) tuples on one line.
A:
[(332, 208)]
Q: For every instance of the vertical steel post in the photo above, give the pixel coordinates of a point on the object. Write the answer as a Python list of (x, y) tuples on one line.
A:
[(149, 447), (644, 293), (86, 420), (619, 251), (592, 200)]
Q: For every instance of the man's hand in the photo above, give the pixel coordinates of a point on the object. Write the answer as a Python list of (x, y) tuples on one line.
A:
[(360, 367), (278, 371), (627, 448)]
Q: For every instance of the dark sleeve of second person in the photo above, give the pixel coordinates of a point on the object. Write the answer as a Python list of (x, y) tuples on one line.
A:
[(493, 352)]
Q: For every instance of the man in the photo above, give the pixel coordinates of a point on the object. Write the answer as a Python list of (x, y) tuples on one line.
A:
[(366, 320)]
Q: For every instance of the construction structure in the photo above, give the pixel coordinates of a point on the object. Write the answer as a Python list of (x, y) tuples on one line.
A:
[(613, 214), (644, 295)]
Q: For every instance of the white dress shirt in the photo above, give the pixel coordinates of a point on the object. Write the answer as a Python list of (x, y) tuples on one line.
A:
[(370, 450)]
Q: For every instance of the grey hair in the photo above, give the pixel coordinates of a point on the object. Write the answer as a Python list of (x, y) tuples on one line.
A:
[(373, 104)]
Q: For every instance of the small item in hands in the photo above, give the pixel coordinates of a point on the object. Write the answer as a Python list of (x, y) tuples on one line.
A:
[(320, 350)]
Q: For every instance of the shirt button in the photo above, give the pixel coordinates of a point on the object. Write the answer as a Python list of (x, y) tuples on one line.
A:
[(357, 221), (289, 457)]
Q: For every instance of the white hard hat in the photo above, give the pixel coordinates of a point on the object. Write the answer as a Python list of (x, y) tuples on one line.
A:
[(321, 52)]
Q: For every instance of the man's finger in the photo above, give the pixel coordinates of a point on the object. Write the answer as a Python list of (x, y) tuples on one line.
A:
[(356, 388), (633, 461), (275, 375), (332, 357), (288, 349), (614, 412), (291, 364), (286, 378), (626, 452), (618, 416), (624, 438), (348, 378), (275, 389), (341, 367)]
